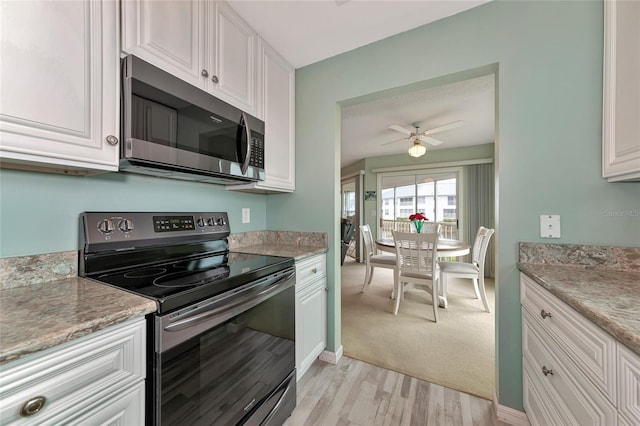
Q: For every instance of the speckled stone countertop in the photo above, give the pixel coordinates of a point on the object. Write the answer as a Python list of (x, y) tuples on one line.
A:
[(40, 316), (279, 243), (286, 250), (607, 293)]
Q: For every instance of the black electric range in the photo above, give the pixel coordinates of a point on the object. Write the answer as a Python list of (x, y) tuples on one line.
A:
[(174, 258)]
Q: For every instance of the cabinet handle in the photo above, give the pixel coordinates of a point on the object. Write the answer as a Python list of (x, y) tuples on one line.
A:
[(546, 371), (112, 140), (204, 73), (214, 79), (314, 270), (32, 406), (544, 314)]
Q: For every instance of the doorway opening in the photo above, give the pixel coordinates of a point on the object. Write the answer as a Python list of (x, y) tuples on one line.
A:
[(447, 184)]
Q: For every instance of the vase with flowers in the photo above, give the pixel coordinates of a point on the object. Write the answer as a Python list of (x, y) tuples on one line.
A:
[(418, 219)]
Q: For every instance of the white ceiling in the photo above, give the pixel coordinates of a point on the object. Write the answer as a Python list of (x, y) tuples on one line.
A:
[(307, 31), (365, 127)]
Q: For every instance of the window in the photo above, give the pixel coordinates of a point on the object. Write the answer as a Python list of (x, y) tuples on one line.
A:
[(434, 194), (406, 201)]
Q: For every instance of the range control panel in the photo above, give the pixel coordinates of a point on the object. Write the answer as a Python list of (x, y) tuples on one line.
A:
[(132, 227)]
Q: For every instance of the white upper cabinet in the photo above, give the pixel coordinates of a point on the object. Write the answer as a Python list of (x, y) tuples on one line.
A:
[(203, 43), (232, 57), (59, 78), (621, 110), (276, 92), (168, 34)]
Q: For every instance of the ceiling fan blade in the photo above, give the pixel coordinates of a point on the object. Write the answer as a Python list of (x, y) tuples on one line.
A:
[(429, 140), (443, 128), (400, 129), (396, 141)]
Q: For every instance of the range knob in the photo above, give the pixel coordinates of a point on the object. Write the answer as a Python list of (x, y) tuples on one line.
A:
[(105, 226), (219, 221), (125, 225), (201, 222)]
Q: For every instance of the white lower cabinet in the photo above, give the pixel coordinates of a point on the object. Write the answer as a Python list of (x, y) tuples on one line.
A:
[(628, 385), (311, 311), (574, 373), (95, 379)]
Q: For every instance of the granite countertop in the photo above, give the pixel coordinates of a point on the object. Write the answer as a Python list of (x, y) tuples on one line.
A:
[(40, 316), (608, 298), (298, 252)]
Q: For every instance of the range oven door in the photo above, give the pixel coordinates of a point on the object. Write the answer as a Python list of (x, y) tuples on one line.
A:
[(230, 360)]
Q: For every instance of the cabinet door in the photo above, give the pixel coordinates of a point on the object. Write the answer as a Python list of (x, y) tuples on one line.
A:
[(276, 106), (629, 383), (231, 55), (59, 76), (279, 116), (621, 127), (311, 317), (168, 34), (123, 408)]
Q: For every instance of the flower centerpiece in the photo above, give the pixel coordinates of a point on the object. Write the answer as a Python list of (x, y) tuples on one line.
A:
[(418, 219)]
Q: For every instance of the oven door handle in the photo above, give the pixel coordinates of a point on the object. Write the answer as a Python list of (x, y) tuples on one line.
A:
[(249, 298)]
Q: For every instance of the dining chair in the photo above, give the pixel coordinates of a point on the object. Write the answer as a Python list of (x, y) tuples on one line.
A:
[(417, 267), (473, 270), (373, 260)]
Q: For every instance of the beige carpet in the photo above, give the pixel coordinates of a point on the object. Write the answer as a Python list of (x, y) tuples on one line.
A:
[(457, 352)]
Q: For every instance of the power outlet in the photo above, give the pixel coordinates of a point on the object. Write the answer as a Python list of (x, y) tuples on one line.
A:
[(246, 215), (550, 226)]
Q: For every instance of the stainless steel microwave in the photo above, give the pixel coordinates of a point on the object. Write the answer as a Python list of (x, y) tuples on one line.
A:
[(175, 130)]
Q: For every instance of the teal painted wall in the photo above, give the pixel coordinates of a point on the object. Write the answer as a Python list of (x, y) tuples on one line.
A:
[(548, 148), (39, 211)]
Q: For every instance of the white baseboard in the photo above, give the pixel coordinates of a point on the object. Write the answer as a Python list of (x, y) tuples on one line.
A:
[(331, 357), (509, 415)]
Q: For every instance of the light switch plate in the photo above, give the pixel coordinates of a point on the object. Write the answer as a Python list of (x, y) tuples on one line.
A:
[(550, 226), (246, 215)]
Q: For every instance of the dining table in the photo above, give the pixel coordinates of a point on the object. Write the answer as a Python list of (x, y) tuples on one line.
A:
[(446, 248)]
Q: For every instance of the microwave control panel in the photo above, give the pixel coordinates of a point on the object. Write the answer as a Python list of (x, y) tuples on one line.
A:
[(257, 153)]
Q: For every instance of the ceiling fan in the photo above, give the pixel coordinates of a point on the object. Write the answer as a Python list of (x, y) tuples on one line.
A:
[(417, 137)]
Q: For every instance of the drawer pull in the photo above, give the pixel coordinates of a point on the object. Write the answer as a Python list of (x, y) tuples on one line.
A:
[(546, 371), (32, 406), (544, 314), (314, 270)]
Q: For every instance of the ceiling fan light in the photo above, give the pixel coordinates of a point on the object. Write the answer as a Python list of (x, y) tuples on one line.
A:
[(417, 150)]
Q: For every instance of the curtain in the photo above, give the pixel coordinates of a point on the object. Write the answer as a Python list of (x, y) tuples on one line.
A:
[(479, 197)]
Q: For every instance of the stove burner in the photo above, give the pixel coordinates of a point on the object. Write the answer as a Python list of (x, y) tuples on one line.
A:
[(143, 273), (190, 278)]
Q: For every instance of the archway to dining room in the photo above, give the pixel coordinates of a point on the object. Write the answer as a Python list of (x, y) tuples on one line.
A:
[(454, 182)]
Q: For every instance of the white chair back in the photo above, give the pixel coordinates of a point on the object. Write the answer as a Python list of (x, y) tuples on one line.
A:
[(480, 245), (416, 253), (365, 231)]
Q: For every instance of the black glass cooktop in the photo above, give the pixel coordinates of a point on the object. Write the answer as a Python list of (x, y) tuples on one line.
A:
[(178, 283)]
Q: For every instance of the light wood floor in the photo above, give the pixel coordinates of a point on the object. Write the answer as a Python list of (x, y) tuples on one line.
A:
[(356, 393)]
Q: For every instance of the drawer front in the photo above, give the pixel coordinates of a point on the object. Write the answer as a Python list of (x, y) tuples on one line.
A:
[(73, 376), (308, 270), (589, 347), (576, 399), (629, 384), (539, 408)]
